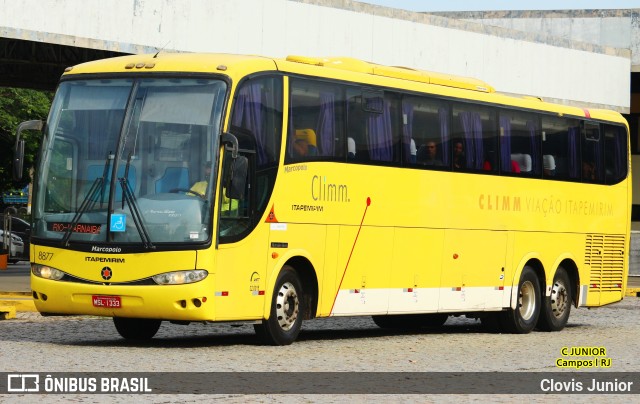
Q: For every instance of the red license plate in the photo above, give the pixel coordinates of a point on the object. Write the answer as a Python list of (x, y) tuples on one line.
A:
[(111, 302)]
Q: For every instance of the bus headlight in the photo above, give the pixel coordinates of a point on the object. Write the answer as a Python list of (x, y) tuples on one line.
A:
[(46, 272), (180, 277)]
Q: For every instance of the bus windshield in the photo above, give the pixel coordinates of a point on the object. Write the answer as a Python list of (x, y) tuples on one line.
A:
[(129, 161)]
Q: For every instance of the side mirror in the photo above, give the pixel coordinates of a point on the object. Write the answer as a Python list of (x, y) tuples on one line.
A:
[(237, 178), (18, 160), (18, 157)]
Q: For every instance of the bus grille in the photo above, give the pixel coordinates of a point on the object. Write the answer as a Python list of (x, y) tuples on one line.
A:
[(604, 254)]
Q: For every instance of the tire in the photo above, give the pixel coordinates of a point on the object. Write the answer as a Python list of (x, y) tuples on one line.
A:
[(136, 328), (524, 317), (287, 311), (557, 307), (410, 321)]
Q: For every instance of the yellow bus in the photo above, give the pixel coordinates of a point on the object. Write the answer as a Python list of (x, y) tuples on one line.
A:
[(228, 188)]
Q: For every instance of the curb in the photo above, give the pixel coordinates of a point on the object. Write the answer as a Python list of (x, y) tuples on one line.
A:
[(12, 302), (634, 292), (7, 312)]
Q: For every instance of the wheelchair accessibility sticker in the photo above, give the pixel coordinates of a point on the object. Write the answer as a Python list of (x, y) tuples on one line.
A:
[(118, 222)]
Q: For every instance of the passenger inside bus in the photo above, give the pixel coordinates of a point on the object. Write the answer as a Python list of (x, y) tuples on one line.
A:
[(304, 143), (588, 170), (427, 154), (459, 159)]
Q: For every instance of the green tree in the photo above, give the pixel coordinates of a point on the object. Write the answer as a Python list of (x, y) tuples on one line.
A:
[(18, 105)]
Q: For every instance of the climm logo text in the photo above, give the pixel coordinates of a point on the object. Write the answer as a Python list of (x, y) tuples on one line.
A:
[(321, 190)]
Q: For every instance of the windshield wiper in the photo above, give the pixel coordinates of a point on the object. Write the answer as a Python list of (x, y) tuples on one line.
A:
[(130, 198), (89, 200)]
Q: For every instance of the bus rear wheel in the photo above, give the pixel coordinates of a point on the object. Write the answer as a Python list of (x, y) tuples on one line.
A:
[(285, 318), (136, 328), (557, 307), (524, 317)]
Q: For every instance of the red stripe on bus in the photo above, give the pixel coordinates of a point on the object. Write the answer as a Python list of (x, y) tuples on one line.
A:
[(350, 254)]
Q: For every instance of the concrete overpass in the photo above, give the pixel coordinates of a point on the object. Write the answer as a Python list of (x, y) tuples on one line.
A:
[(38, 65), (39, 38), (609, 28)]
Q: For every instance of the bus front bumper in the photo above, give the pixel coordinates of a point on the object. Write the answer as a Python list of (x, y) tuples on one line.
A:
[(188, 302)]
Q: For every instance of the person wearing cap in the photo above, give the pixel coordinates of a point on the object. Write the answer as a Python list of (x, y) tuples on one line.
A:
[(304, 143)]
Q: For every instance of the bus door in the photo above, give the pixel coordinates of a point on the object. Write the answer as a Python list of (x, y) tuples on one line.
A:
[(473, 266), (242, 251), (243, 236)]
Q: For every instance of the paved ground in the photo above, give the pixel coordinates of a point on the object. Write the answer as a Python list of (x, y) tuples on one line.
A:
[(90, 344), (344, 344)]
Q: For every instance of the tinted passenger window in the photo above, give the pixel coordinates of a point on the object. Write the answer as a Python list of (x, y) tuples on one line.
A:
[(257, 124), (592, 153), (475, 127), (519, 143), (258, 110), (615, 158), (372, 126), (426, 133), (561, 148), (316, 121)]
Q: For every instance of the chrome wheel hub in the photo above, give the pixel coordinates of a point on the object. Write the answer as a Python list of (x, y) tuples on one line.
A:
[(527, 300), (287, 306), (559, 299)]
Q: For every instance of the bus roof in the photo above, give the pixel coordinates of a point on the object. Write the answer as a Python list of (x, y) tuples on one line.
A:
[(344, 68), (175, 62), (403, 73)]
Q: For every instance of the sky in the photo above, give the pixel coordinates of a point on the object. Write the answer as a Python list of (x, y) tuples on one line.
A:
[(487, 5)]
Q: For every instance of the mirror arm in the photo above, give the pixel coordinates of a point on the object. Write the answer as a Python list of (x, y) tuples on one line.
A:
[(229, 138), (18, 156), (28, 125)]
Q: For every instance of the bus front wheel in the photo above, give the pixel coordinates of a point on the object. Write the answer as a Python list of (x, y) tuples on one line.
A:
[(136, 328), (524, 317), (557, 307), (285, 318)]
